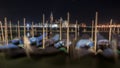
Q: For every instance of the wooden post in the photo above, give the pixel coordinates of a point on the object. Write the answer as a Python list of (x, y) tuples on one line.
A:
[(43, 32), (36, 30), (0, 38), (110, 30), (68, 16), (32, 29), (114, 29), (24, 20), (118, 30), (11, 31), (114, 41), (6, 33), (27, 46), (76, 30), (96, 21), (47, 30), (51, 21), (60, 28), (92, 30), (3, 39), (18, 29)]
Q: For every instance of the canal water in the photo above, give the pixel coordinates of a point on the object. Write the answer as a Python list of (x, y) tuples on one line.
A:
[(57, 61)]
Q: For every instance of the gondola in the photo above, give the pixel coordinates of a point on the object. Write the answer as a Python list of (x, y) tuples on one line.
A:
[(54, 46), (84, 47), (16, 48), (105, 49)]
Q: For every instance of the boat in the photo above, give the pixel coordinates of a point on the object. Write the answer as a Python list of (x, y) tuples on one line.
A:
[(17, 48), (104, 47), (84, 47), (53, 46)]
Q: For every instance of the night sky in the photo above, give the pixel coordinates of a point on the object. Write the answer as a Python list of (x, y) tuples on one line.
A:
[(82, 10)]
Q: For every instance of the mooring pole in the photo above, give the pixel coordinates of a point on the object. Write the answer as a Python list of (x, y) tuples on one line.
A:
[(76, 30), (110, 30), (24, 20), (11, 31), (2, 30), (47, 30), (32, 29), (68, 17), (60, 28), (96, 21), (6, 33), (18, 29), (51, 22), (92, 30), (43, 32)]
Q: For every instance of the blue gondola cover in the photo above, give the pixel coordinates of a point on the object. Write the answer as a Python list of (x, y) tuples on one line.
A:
[(84, 42), (56, 38), (9, 46)]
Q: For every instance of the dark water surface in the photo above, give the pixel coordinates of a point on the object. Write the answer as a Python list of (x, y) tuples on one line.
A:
[(57, 61)]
